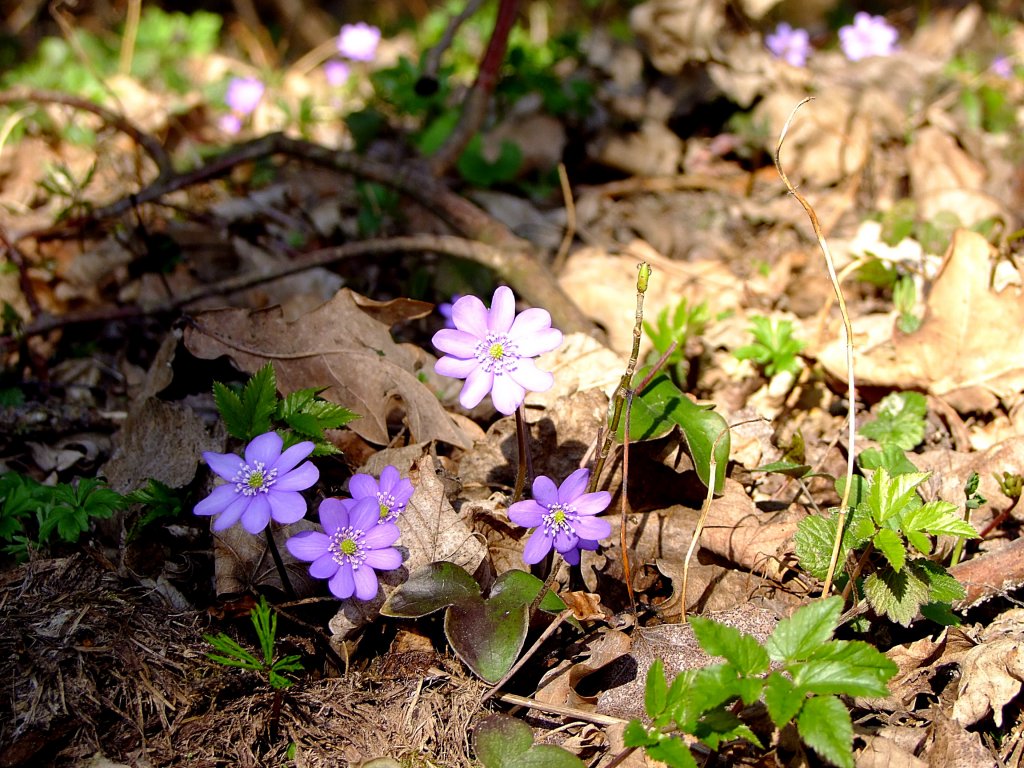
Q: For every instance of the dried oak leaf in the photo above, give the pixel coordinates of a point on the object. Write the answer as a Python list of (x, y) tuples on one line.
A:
[(338, 346)]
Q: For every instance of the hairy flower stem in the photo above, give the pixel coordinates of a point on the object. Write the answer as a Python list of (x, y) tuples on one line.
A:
[(525, 459), (285, 581), (643, 275)]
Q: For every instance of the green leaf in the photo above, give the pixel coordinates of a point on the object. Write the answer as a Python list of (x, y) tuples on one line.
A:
[(501, 741), (889, 496), (673, 752), (824, 725), (890, 544), (897, 595), (787, 468), (900, 420), (720, 726), (743, 651), (306, 424), (939, 518), (487, 637), (798, 636), (890, 456), (655, 689), (636, 735), (231, 653), (782, 699), (774, 348), (849, 667), (259, 400), (515, 588), (943, 586), (429, 589), (229, 405), (663, 406)]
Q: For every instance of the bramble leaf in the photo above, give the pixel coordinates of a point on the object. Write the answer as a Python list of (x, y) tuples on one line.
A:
[(656, 689), (798, 636), (824, 724), (900, 421), (890, 544), (898, 595), (782, 699), (849, 667), (889, 495), (741, 650)]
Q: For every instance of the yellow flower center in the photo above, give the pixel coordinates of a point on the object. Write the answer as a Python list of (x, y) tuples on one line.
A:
[(497, 351), (348, 547)]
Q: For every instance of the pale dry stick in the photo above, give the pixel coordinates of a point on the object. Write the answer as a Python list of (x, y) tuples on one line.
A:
[(848, 329), (526, 656), (623, 498), (558, 709), (558, 263), (131, 32)]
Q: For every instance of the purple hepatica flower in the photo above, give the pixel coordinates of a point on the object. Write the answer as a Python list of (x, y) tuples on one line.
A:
[(790, 45), (563, 518), (353, 546), (358, 41), (1001, 66), (337, 72), (445, 310), (493, 350), (230, 124), (264, 485), (867, 36), (392, 493), (243, 95)]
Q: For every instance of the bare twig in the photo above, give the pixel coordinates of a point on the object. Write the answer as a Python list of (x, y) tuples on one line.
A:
[(474, 107), (21, 264), (558, 263), (427, 83), (149, 143), (848, 329)]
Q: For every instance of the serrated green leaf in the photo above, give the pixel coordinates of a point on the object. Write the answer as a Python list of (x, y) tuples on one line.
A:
[(306, 424), (229, 405), (774, 347), (849, 667), (656, 689), (296, 402), (890, 456), (939, 518), (824, 725), (782, 699), (943, 585), (888, 495), (636, 735), (798, 636), (720, 726), (673, 752), (743, 651), (897, 595), (330, 415), (814, 538), (900, 421), (661, 407), (259, 400), (890, 544)]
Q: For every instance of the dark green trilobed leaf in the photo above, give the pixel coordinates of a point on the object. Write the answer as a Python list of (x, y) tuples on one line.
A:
[(486, 635), (663, 406), (800, 635), (850, 667), (501, 741), (739, 649), (431, 588)]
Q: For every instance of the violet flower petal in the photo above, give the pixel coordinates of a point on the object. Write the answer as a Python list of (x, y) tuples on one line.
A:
[(265, 448), (365, 579), (286, 507), (537, 547), (383, 559), (256, 517), (298, 479), (308, 545), (341, 584)]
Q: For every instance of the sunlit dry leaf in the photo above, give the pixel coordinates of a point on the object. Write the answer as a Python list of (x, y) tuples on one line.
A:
[(337, 346)]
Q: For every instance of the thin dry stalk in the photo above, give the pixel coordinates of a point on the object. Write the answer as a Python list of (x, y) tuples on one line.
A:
[(848, 330), (558, 264)]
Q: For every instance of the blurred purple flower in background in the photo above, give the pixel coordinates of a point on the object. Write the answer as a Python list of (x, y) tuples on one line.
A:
[(243, 95), (867, 36), (563, 518), (492, 349), (358, 41), (230, 123), (352, 548), (445, 310), (1001, 66), (264, 485), (337, 72), (791, 45)]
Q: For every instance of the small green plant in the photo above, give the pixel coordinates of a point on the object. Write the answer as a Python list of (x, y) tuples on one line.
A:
[(811, 670), (890, 530), (232, 654), (301, 415), (904, 298), (774, 349), (159, 502), (30, 512), (900, 420), (684, 323)]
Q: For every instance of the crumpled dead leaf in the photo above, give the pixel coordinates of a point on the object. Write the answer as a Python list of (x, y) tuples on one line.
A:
[(338, 346), (243, 562), (992, 673), (559, 685), (969, 339)]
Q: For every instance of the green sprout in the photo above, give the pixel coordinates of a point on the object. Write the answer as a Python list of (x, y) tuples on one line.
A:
[(231, 654), (774, 349)]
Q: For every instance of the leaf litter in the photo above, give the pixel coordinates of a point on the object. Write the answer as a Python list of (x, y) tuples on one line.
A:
[(98, 666)]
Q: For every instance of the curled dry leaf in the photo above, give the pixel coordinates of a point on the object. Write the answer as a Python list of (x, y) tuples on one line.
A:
[(969, 339), (338, 346), (242, 562), (559, 685)]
